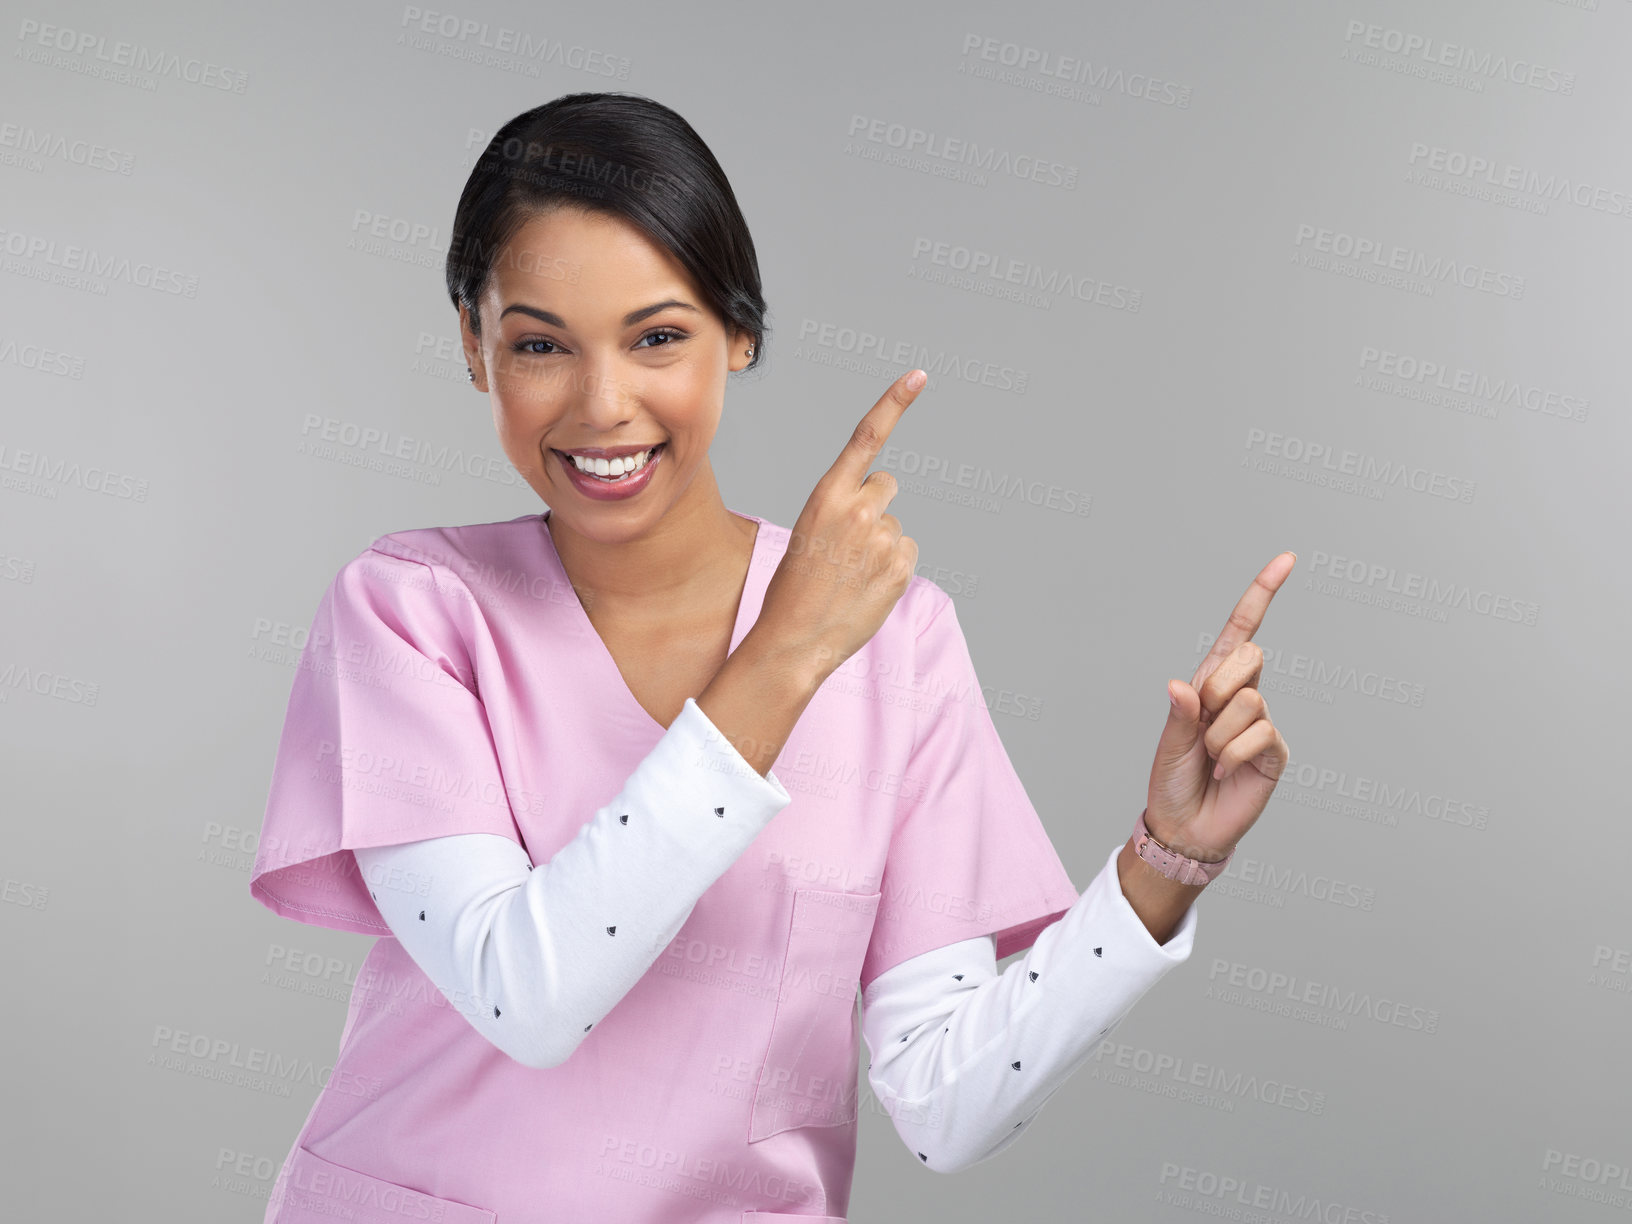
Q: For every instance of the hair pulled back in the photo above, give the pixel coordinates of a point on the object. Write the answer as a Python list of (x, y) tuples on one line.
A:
[(619, 154)]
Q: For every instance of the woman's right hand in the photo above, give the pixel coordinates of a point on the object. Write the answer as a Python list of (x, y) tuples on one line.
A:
[(847, 563)]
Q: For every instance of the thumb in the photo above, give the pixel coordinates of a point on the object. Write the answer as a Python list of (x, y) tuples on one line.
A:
[(1184, 726)]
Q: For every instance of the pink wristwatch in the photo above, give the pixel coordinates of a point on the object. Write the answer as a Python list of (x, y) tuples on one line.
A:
[(1172, 864)]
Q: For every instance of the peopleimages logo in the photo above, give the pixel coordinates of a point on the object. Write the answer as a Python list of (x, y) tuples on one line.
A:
[(1259, 878), (1205, 1191), (973, 265), (1606, 1182), (116, 59), (1096, 75), (1472, 60), (1494, 172), (969, 155), (1386, 578), (1288, 988), (1429, 375), (1407, 261), (82, 267), (861, 344), (1169, 1075)]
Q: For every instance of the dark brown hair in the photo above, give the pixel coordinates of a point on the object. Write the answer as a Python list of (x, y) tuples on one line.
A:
[(620, 154)]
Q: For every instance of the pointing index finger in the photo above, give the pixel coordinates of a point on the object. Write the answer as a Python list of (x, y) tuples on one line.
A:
[(1249, 612), (873, 430)]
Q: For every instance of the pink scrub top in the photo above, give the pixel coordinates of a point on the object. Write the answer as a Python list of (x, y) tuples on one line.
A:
[(453, 683)]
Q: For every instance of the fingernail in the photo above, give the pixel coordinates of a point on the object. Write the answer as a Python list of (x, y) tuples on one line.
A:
[(916, 379)]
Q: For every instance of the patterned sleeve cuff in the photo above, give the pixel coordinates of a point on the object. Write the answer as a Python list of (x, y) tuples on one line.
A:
[(694, 749), (1120, 912)]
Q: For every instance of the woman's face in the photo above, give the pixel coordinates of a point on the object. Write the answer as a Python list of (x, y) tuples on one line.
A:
[(569, 366)]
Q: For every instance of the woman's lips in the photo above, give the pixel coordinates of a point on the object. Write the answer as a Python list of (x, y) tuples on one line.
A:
[(611, 490)]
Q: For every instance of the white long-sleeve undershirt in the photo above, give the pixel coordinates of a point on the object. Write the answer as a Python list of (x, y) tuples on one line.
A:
[(963, 1056), (534, 956)]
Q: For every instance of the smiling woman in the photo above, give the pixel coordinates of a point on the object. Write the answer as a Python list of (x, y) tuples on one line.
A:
[(619, 960), (606, 285), (582, 387)]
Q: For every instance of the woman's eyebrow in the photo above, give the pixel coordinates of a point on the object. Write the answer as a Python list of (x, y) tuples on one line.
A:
[(629, 320)]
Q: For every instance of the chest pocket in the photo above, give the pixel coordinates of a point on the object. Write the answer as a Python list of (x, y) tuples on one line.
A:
[(808, 1075)]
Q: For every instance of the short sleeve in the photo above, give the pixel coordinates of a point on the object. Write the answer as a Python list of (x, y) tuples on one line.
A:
[(968, 855), (385, 741)]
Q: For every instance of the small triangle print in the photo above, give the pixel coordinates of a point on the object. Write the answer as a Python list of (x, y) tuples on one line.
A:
[(1034, 975), (589, 1026), (1015, 1064), (422, 915), (624, 819), (923, 1158), (1099, 951), (495, 1011), (719, 811), (611, 930), (957, 977)]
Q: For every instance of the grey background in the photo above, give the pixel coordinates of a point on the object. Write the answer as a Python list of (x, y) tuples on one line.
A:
[(1457, 757)]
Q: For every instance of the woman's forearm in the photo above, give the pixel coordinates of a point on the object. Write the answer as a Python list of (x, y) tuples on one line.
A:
[(1161, 903), (758, 695)]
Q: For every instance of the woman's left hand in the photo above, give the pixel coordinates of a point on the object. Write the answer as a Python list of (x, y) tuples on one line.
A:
[(1219, 722)]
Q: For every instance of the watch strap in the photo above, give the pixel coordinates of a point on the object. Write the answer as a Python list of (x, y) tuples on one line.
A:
[(1171, 863)]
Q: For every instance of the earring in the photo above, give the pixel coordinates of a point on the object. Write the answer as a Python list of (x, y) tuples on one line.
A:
[(470, 374), (750, 352)]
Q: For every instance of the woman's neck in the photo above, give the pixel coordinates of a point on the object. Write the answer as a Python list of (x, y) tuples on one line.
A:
[(677, 569)]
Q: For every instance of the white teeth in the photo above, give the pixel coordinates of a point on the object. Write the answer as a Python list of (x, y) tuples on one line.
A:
[(612, 468)]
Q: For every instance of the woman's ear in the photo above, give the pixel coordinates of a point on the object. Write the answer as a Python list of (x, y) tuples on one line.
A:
[(742, 349), (475, 367)]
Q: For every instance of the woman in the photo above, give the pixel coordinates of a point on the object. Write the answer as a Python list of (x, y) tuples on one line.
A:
[(624, 956)]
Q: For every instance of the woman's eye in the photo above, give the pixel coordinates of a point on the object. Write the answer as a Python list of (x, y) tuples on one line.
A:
[(666, 333)]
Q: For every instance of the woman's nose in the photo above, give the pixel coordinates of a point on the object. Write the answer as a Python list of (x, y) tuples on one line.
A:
[(604, 394)]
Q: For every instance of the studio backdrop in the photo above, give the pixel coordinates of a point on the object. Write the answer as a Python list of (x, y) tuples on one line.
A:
[(1194, 283)]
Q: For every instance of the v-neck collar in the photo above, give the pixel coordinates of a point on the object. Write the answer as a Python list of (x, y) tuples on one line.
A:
[(614, 678)]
